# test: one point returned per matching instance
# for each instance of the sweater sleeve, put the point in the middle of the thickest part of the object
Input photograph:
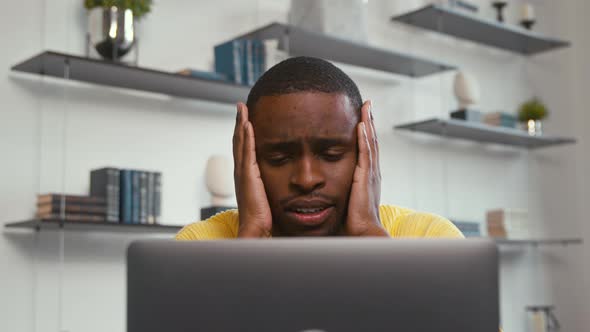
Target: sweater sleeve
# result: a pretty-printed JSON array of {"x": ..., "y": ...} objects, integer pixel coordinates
[
  {"x": 223, "y": 225},
  {"x": 400, "y": 222}
]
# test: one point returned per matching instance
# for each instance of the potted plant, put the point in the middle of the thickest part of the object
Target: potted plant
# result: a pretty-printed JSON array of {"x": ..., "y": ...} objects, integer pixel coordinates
[
  {"x": 111, "y": 25},
  {"x": 531, "y": 113},
  {"x": 139, "y": 8}
]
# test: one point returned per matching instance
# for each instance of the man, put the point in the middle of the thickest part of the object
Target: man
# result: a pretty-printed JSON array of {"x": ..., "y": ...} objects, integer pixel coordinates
[{"x": 306, "y": 163}]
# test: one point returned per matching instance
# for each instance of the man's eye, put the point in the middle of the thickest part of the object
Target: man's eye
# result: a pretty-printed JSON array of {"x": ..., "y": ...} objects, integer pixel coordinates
[
  {"x": 332, "y": 156},
  {"x": 277, "y": 160}
]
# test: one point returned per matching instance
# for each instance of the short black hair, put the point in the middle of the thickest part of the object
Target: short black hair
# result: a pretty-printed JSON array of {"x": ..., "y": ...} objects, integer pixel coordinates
[{"x": 304, "y": 74}]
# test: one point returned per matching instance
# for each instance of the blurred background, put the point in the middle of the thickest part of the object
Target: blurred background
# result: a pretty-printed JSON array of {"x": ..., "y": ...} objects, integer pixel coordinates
[{"x": 117, "y": 117}]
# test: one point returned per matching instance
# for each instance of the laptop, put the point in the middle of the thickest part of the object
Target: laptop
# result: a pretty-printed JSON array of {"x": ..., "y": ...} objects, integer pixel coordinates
[{"x": 313, "y": 285}]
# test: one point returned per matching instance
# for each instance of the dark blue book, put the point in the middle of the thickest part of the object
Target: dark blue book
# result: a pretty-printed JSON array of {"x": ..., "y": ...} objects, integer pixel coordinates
[
  {"x": 135, "y": 202},
  {"x": 104, "y": 182},
  {"x": 126, "y": 191},
  {"x": 468, "y": 228},
  {"x": 229, "y": 59}
]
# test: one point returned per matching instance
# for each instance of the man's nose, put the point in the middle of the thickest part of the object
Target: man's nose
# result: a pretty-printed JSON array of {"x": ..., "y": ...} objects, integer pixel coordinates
[{"x": 307, "y": 175}]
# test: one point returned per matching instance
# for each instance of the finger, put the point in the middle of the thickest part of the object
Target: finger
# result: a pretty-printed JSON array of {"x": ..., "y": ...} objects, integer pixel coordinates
[
  {"x": 238, "y": 137},
  {"x": 249, "y": 147},
  {"x": 244, "y": 113},
  {"x": 364, "y": 159},
  {"x": 375, "y": 142},
  {"x": 364, "y": 113},
  {"x": 366, "y": 119}
]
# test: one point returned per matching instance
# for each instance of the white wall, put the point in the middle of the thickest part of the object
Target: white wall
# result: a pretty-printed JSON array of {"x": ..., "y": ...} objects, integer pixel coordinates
[{"x": 54, "y": 133}]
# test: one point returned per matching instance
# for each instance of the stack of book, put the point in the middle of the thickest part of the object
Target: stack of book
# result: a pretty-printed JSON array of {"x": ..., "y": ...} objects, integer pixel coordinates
[
  {"x": 467, "y": 115},
  {"x": 71, "y": 208},
  {"x": 500, "y": 119},
  {"x": 497, "y": 119},
  {"x": 508, "y": 223},
  {"x": 243, "y": 61},
  {"x": 468, "y": 228},
  {"x": 132, "y": 196}
]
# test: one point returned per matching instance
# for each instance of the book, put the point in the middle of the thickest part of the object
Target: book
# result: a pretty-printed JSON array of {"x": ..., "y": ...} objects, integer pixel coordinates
[
  {"x": 249, "y": 62},
  {"x": 467, "y": 115},
  {"x": 468, "y": 228},
  {"x": 511, "y": 223},
  {"x": 157, "y": 197},
  {"x": 143, "y": 197},
  {"x": 206, "y": 75},
  {"x": 135, "y": 200},
  {"x": 500, "y": 119},
  {"x": 150, "y": 198},
  {"x": 72, "y": 217},
  {"x": 104, "y": 182},
  {"x": 126, "y": 197},
  {"x": 229, "y": 58},
  {"x": 54, "y": 198},
  {"x": 462, "y": 4},
  {"x": 45, "y": 209}
]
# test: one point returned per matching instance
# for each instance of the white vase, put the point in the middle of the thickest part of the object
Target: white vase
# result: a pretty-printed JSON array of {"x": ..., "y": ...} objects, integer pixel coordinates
[
  {"x": 466, "y": 89},
  {"x": 219, "y": 179}
]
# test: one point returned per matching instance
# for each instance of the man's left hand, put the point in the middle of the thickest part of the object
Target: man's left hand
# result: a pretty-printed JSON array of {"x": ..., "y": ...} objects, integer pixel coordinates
[{"x": 365, "y": 194}]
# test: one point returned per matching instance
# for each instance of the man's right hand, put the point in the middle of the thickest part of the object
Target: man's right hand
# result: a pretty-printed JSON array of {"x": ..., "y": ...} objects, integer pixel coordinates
[{"x": 254, "y": 212}]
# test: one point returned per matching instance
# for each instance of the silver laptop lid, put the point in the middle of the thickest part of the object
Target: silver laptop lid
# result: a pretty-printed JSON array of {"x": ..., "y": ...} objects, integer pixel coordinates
[{"x": 331, "y": 285}]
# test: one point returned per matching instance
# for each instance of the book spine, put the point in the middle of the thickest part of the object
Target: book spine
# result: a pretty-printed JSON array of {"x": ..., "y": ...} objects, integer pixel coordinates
[
  {"x": 72, "y": 208},
  {"x": 126, "y": 198},
  {"x": 238, "y": 60},
  {"x": 104, "y": 182},
  {"x": 143, "y": 198},
  {"x": 115, "y": 194},
  {"x": 73, "y": 217},
  {"x": 157, "y": 197},
  {"x": 135, "y": 195},
  {"x": 70, "y": 199},
  {"x": 228, "y": 61},
  {"x": 249, "y": 62},
  {"x": 150, "y": 198}
]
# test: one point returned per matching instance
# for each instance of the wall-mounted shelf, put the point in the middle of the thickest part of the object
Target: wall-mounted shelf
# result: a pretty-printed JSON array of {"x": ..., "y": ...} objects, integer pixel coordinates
[
  {"x": 300, "y": 42},
  {"x": 85, "y": 226},
  {"x": 483, "y": 133},
  {"x": 113, "y": 74},
  {"x": 540, "y": 242},
  {"x": 479, "y": 30}
]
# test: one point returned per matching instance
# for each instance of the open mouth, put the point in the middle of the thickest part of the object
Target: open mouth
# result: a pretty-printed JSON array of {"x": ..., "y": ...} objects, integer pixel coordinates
[{"x": 310, "y": 216}]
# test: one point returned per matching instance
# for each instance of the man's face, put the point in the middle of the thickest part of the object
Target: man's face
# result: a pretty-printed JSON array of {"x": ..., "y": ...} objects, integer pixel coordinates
[{"x": 306, "y": 148}]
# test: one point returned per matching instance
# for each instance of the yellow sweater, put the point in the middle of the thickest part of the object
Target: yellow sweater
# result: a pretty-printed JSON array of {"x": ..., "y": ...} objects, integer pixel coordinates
[{"x": 397, "y": 221}]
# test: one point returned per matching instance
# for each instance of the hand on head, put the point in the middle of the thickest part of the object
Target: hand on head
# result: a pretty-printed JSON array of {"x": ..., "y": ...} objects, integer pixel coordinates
[
  {"x": 365, "y": 194},
  {"x": 254, "y": 211}
]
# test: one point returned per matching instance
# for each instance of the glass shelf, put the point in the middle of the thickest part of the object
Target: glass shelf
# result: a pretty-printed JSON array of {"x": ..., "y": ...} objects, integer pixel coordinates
[
  {"x": 300, "y": 42},
  {"x": 118, "y": 75},
  {"x": 539, "y": 242},
  {"x": 38, "y": 224},
  {"x": 73, "y": 225},
  {"x": 483, "y": 31},
  {"x": 483, "y": 133}
]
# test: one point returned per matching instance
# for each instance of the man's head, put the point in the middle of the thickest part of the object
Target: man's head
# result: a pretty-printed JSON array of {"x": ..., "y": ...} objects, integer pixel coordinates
[{"x": 304, "y": 112}]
